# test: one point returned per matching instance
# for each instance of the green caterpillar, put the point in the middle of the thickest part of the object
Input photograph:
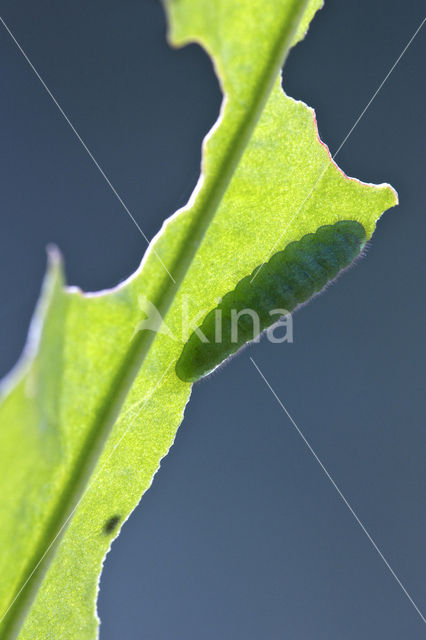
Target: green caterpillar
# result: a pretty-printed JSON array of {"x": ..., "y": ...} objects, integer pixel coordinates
[{"x": 289, "y": 278}]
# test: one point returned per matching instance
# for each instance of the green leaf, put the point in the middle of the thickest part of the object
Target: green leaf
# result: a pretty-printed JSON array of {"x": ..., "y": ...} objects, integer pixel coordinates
[{"x": 94, "y": 403}]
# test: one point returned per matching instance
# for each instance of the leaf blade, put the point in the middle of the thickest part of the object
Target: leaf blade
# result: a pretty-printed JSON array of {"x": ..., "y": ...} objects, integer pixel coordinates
[{"x": 251, "y": 186}]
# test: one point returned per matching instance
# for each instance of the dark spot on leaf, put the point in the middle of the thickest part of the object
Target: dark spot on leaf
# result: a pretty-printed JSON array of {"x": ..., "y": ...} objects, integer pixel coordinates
[{"x": 111, "y": 524}]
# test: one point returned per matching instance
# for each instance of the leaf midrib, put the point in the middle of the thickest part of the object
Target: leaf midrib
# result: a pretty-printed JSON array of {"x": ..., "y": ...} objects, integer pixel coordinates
[{"x": 110, "y": 408}]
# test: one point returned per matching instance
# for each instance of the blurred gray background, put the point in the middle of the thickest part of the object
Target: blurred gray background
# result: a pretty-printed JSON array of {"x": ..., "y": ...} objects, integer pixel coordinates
[{"x": 241, "y": 536}]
